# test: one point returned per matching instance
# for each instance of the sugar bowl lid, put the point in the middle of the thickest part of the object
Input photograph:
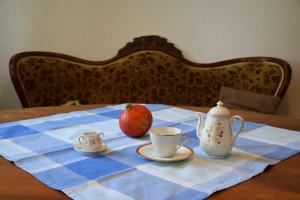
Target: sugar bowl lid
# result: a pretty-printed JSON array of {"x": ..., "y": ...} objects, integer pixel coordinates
[{"x": 219, "y": 110}]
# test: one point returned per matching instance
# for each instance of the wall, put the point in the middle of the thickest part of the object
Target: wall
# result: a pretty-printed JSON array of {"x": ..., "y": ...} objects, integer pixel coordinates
[{"x": 205, "y": 30}]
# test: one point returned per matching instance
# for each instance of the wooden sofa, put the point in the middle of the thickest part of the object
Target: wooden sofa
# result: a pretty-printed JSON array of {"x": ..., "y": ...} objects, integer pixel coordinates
[{"x": 147, "y": 70}]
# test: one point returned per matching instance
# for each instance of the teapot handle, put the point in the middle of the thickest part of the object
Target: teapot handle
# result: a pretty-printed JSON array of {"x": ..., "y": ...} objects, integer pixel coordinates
[
  {"x": 240, "y": 128},
  {"x": 200, "y": 124}
]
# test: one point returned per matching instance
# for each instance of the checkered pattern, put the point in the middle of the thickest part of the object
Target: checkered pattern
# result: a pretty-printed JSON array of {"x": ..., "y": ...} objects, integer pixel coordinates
[{"x": 44, "y": 148}]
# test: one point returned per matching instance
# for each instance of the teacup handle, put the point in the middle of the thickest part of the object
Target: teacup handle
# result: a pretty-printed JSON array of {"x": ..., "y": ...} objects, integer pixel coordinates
[{"x": 183, "y": 139}]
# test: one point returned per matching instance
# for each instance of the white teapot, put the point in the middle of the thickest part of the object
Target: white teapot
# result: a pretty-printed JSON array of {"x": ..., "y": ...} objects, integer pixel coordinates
[{"x": 216, "y": 138}]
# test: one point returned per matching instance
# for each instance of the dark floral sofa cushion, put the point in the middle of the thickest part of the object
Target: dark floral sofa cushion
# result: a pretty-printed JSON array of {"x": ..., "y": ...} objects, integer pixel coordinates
[
  {"x": 143, "y": 76},
  {"x": 245, "y": 100}
]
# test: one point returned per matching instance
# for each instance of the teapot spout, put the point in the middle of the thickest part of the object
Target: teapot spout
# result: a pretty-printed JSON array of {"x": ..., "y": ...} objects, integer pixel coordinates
[{"x": 200, "y": 124}]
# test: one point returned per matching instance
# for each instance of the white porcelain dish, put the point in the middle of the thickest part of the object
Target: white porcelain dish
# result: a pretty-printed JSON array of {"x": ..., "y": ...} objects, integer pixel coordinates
[
  {"x": 79, "y": 148},
  {"x": 146, "y": 151}
]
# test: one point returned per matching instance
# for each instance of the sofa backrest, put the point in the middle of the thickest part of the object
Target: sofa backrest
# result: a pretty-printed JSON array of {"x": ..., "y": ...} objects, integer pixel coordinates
[{"x": 147, "y": 70}]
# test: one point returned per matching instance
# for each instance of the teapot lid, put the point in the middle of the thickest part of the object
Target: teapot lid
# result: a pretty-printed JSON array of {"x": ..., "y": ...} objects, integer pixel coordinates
[{"x": 219, "y": 110}]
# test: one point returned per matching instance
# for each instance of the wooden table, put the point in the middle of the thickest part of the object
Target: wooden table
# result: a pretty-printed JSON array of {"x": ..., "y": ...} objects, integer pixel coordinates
[{"x": 281, "y": 181}]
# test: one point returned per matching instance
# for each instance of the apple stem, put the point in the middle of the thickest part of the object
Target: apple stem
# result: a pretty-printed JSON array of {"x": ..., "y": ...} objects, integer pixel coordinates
[{"x": 128, "y": 106}]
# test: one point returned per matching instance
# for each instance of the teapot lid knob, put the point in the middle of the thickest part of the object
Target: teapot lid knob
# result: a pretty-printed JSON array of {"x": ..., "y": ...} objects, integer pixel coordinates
[
  {"x": 219, "y": 110},
  {"x": 220, "y": 103}
]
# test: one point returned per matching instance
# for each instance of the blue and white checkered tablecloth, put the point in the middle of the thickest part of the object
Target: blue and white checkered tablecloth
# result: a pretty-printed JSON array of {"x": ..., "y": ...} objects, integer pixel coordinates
[{"x": 44, "y": 148}]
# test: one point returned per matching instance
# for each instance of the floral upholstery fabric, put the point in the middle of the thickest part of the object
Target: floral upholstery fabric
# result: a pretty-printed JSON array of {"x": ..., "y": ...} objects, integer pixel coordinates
[{"x": 141, "y": 77}]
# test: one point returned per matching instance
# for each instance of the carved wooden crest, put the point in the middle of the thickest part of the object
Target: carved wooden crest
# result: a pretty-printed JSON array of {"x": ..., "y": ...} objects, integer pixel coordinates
[{"x": 151, "y": 42}]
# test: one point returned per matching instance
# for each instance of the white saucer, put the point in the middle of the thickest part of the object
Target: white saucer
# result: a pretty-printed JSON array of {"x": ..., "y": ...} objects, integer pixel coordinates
[
  {"x": 147, "y": 151},
  {"x": 78, "y": 147}
]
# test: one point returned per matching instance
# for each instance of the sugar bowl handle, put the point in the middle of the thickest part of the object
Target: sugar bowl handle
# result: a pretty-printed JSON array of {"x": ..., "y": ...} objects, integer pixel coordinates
[{"x": 82, "y": 139}]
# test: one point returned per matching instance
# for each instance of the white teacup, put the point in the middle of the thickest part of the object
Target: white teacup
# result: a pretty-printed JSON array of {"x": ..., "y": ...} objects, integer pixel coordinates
[
  {"x": 166, "y": 140},
  {"x": 91, "y": 141}
]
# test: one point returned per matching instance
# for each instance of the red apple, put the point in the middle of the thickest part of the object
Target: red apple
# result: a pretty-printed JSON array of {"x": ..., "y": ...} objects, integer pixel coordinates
[{"x": 135, "y": 120}]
